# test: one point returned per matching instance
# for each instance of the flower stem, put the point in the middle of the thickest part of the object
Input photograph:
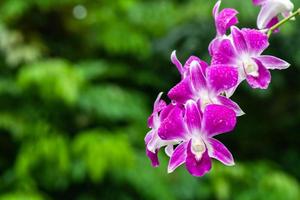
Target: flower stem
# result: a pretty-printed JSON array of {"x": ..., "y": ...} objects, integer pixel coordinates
[{"x": 273, "y": 28}]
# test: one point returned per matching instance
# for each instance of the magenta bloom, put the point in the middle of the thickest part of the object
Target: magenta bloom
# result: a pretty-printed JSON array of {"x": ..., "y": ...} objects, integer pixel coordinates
[
  {"x": 224, "y": 19},
  {"x": 196, "y": 130},
  {"x": 243, "y": 50},
  {"x": 204, "y": 84},
  {"x": 153, "y": 142},
  {"x": 270, "y": 9},
  {"x": 201, "y": 107}
]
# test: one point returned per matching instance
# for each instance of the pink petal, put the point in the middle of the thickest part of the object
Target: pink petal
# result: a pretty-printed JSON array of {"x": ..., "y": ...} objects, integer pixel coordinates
[
  {"x": 166, "y": 111},
  {"x": 267, "y": 13},
  {"x": 150, "y": 121},
  {"x": 271, "y": 62},
  {"x": 214, "y": 45},
  {"x": 271, "y": 23},
  {"x": 169, "y": 150},
  {"x": 264, "y": 78},
  {"x": 223, "y": 52},
  {"x": 220, "y": 152},
  {"x": 178, "y": 157},
  {"x": 256, "y": 41},
  {"x": 238, "y": 40},
  {"x": 230, "y": 92},
  {"x": 153, "y": 158},
  {"x": 218, "y": 119},
  {"x": 225, "y": 19},
  {"x": 149, "y": 137},
  {"x": 231, "y": 104},
  {"x": 216, "y": 9},
  {"x": 192, "y": 116},
  {"x": 198, "y": 80},
  {"x": 222, "y": 77},
  {"x": 258, "y": 2},
  {"x": 192, "y": 61},
  {"x": 176, "y": 62},
  {"x": 197, "y": 167},
  {"x": 159, "y": 104},
  {"x": 155, "y": 143},
  {"x": 172, "y": 127},
  {"x": 181, "y": 92}
]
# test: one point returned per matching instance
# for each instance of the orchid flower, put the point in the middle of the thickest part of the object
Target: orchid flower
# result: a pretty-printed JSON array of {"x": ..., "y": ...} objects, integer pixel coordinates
[
  {"x": 224, "y": 19},
  {"x": 243, "y": 50},
  {"x": 205, "y": 84},
  {"x": 196, "y": 130},
  {"x": 201, "y": 108},
  {"x": 270, "y": 9},
  {"x": 153, "y": 142}
]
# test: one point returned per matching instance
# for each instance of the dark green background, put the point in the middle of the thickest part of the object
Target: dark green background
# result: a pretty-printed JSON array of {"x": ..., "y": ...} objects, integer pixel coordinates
[{"x": 75, "y": 95}]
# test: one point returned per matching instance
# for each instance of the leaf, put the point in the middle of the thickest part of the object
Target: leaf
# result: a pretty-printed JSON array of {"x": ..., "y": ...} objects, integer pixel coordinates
[
  {"x": 98, "y": 152},
  {"x": 52, "y": 79},
  {"x": 113, "y": 103}
]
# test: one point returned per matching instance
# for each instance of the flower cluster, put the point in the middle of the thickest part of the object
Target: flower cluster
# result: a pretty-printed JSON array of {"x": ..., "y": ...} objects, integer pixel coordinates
[{"x": 200, "y": 106}]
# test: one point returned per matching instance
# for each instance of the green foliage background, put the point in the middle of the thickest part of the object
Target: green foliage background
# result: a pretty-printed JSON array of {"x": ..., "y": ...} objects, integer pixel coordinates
[{"x": 76, "y": 90}]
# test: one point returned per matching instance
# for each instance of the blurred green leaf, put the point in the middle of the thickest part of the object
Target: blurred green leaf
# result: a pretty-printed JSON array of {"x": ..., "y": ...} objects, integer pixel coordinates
[{"x": 53, "y": 80}]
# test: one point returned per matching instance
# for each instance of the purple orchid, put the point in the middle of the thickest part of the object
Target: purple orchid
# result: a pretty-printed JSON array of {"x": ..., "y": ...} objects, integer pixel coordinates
[
  {"x": 224, "y": 19},
  {"x": 153, "y": 142},
  {"x": 196, "y": 130},
  {"x": 204, "y": 84},
  {"x": 243, "y": 50},
  {"x": 270, "y": 9}
]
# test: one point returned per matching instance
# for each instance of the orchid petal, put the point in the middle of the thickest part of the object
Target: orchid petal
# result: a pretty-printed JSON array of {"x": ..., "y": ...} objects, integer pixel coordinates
[
  {"x": 258, "y": 2},
  {"x": 149, "y": 136},
  {"x": 198, "y": 80},
  {"x": 264, "y": 77},
  {"x": 155, "y": 143},
  {"x": 172, "y": 127},
  {"x": 271, "y": 9},
  {"x": 178, "y": 157},
  {"x": 216, "y": 9},
  {"x": 214, "y": 45},
  {"x": 238, "y": 39},
  {"x": 223, "y": 52},
  {"x": 287, "y": 14},
  {"x": 176, "y": 62},
  {"x": 231, "y": 104},
  {"x": 153, "y": 158},
  {"x": 230, "y": 92},
  {"x": 169, "y": 150},
  {"x": 222, "y": 77},
  {"x": 197, "y": 167},
  {"x": 271, "y": 62},
  {"x": 218, "y": 151},
  {"x": 192, "y": 61},
  {"x": 256, "y": 41},
  {"x": 159, "y": 104},
  {"x": 192, "y": 116},
  {"x": 273, "y": 21},
  {"x": 225, "y": 19},
  {"x": 267, "y": 13},
  {"x": 166, "y": 111},
  {"x": 181, "y": 92},
  {"x": 218, "y": 119},
  {"x": 150, "y": 121}
]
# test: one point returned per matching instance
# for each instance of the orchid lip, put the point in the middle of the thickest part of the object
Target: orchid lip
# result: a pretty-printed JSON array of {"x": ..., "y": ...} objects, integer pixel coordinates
[
  {"x": 198, "y": 147},
  {"x": 249, "y": 67},
  {"x": 205, "y": 99}
]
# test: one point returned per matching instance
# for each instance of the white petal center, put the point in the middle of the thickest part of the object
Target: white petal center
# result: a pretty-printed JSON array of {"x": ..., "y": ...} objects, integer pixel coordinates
[
  {"x": 198, "y": 147},
  {"x": 250, "y": 67}
]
